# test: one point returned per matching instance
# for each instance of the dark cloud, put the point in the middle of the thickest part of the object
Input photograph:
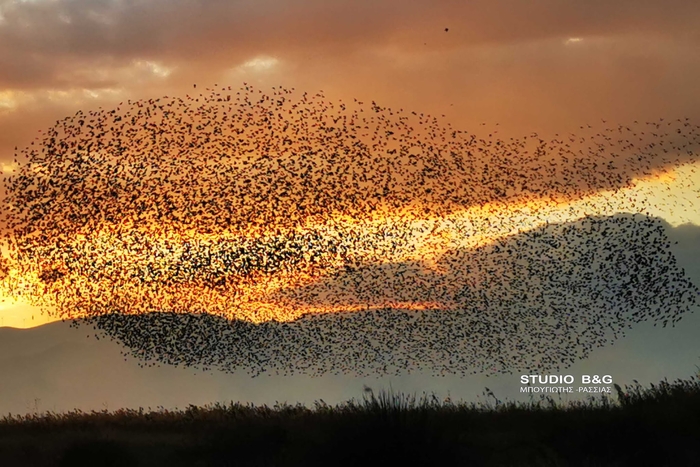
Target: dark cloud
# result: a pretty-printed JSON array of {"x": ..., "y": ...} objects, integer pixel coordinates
[
  {"x": 222, "y": 31},
  {"x": 501, "y": 61}
]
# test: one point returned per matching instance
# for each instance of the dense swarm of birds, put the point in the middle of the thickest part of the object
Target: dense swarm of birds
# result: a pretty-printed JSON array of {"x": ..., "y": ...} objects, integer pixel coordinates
[{"x": 262, "y": 233}]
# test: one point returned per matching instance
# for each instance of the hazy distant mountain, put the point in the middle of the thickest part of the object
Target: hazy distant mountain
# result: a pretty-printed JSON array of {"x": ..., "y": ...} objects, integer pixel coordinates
[
  {"x": 65, "y": 369},
  {"x": 56, "y": 367},
  {"x": 539, "y": 300}
]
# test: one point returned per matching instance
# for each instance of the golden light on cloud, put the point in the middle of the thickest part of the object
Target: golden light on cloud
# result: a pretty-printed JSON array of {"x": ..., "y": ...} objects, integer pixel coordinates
[
  {"x": 261, "y": 63},
  {"x": 11, "y": 101},
  {"x": 8, "y": 167},
  {"x": 154, "y": 68},
  {"x": 254, "y": 67},
  {"x": 7, "y": 100}
]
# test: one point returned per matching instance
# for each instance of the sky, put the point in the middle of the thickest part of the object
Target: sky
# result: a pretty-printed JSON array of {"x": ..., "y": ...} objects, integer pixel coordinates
[{"x": 501, "y": 68}]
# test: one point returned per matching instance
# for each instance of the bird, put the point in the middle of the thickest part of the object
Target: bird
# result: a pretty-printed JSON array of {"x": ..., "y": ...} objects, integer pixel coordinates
[{"x": 273, "y": 233}]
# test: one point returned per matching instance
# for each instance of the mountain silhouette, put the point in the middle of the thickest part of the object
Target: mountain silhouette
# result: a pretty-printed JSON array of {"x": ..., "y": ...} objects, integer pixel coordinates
[{"x": 540, "y": 300}]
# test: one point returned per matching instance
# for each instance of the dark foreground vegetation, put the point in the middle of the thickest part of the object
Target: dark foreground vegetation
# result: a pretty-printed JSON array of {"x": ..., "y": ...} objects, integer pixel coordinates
[{"x": 654, "y": 426}]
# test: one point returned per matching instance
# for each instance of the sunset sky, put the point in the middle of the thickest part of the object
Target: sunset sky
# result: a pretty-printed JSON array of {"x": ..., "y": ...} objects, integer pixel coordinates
[{"x": 498, "y": 67}]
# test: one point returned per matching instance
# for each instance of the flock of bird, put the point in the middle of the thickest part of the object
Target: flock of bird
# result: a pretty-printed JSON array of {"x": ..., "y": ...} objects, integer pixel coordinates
[{"x": 263, "y": 233}]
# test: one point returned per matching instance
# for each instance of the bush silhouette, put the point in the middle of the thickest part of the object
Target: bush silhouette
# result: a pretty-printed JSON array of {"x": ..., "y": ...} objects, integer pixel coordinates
[{"x": 97, "y": 453}]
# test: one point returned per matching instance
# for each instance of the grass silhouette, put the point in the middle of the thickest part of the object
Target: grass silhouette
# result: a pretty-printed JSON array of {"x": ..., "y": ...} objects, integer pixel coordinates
[{"x": 657, "y": 425}]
